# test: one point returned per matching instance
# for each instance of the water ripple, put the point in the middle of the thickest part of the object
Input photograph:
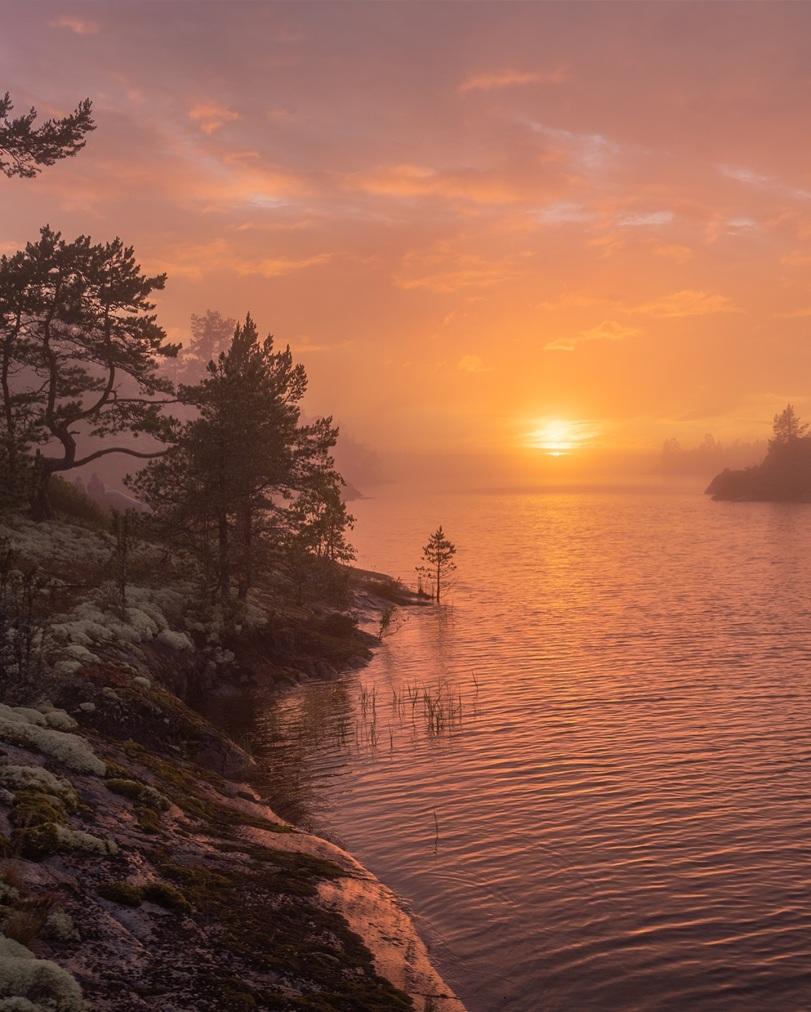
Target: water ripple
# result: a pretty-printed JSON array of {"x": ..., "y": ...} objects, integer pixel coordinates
[{"x": 614, "y": 813}]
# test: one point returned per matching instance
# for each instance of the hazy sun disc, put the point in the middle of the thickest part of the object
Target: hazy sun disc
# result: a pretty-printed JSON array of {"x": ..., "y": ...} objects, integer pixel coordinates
[{"x": 557, "y": 437}]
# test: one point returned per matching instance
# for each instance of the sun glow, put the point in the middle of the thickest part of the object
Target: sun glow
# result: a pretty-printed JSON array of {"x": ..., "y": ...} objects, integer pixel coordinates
[{"x": 557, "y": 436}]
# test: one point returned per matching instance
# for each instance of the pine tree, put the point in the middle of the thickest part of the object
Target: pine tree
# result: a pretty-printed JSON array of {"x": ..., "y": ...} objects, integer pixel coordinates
[
  {"x": 211, "y": 334},
  {"x": 25, "y": 148},
  {"x": 438, "y": 565},
  {"x": 81, "y": 343},
  {"x": 227, "y": 484},
  {"x": 20, "y": 424},
  {"x": 318, "y": 519},
  {"x": 787, "y": 427}
]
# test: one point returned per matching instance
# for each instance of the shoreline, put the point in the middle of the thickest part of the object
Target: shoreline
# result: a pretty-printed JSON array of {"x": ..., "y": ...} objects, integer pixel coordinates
[{"x": 130, "y": 831}]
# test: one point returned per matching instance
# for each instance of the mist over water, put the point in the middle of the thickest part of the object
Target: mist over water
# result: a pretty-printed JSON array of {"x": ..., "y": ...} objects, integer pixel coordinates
[{"x": 613, "y": 811}]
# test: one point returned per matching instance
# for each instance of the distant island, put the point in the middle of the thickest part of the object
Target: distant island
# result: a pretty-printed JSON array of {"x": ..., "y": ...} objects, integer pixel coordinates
[{"x": 784, "y": 475}]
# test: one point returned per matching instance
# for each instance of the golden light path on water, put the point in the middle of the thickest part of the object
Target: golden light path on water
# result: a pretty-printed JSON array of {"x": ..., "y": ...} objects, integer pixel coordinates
[{"x": 617, "y": 749}]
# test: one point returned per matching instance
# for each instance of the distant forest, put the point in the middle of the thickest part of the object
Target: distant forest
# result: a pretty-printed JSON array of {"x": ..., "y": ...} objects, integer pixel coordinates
[{"x": 708, "y": 456}]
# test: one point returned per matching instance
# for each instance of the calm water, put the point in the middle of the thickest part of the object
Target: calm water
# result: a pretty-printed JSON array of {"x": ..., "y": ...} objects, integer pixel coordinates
[{"x": 605, "y": 802}]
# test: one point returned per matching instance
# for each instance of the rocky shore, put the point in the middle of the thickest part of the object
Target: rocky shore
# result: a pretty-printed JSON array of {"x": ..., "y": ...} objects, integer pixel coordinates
[{"x": 142, "y": 866}]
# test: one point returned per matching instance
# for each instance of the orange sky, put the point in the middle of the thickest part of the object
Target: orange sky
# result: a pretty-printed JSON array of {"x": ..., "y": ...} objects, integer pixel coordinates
[{"x": 463, "y": 217}]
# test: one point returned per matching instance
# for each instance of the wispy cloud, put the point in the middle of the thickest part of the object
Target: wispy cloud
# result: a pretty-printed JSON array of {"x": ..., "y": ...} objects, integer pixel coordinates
[
  {"x": 676, "y": 252},
  {"x": 677, "y": 305},
  {"x": 592, "y": 151},
  {"x": 274, "y": 267},
  {"x": 495, "y": 80},
  {"x": 79, "y": 26},
  {"x": 310, "y": 346},
  {"x": 564, "y": 212},
  {"x": 444, "y": 270},
  {"x": 211, "y": 116},
  {"x": 607, "y": 330},
  {"x": 642, "y": 219},
  {"x": 688, "y": 302},
  {"x": 471, "y": 363},
  {"x": 577, "y": 300},
  {"x": 742, "y": 223},
  {"x": 758, "y": 180},
  {"x": 479, "y": 185},
  {"x": 196, "y": 260}
]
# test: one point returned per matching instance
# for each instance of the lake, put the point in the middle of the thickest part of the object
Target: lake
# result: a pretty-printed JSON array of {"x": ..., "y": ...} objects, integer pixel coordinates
[{"x": 588, "y": 775}]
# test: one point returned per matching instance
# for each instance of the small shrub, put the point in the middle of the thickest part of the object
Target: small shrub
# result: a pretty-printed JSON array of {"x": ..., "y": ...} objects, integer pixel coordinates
[
  {"x": 165, "y": 895},
  {"x": 31, "y": 808},
  {"x": 23, "y": 629},
  {"x": 125, "y": 894},
  {"x": 148, "y": 819},
  {"x": 35, "y": 843},
  {"x": 59, "y": 926},
  {"x": 142, "y": 793},
  {"x": 69, "y": 500},
  {"x": 386, "y": 616},
  {"x": 25, "y": 926}
]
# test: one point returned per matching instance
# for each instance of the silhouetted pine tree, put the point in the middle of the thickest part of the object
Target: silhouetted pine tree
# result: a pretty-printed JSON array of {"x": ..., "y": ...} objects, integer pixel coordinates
[
  {"x": 80, "y": 348},
  {"x": 438, "y": 564},
  {"x": 227, "y": 486},
  {"x": 787, "y": 427},
  {"x": 26, "y": 148}
]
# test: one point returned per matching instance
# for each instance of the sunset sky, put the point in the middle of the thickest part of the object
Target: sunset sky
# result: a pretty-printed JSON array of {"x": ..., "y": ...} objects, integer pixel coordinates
[{"x": 467, "y": 220}]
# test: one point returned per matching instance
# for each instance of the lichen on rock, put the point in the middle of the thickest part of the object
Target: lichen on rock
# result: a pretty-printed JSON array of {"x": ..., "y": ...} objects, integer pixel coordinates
[
  {"x": 70, "y": 750},
  {"x": 43, "y": 983}
]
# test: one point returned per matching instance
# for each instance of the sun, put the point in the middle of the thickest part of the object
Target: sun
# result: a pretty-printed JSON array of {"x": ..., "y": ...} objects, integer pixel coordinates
[{"x": 556, "y": 436}]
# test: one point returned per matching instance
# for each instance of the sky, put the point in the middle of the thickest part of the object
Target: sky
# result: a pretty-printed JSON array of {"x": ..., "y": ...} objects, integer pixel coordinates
[{"x": 471, "y": 222}]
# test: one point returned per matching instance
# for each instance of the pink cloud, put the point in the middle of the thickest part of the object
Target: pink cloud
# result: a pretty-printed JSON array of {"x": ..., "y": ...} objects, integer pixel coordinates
[
  {"x": 444, "y": 270},
  {"x": 512, "y": 78},
  {"x": 196, "y": 260},
  {"x": 76, "y": 25},
  {"x": 211, "y": 116},
  {"x": 274, "y": 267},
  {"x": 674, "y": 251},
  {"x": 478, "y": 185}
]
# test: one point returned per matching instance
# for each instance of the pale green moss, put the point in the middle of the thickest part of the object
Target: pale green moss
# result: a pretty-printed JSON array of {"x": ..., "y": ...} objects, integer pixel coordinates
[
  {"x": 68, "y": 749},
  {"x": 142, "y": 793},
  {"x": 48, "y": 987},
  {"x": 35, "y": 778}
]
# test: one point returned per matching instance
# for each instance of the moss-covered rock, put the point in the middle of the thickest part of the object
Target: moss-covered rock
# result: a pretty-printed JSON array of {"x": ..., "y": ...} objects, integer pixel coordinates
[
  {"x": 37, "y": 842},
  {"x": 15, "y": 777},
  {"x": 41, "y": 983}
]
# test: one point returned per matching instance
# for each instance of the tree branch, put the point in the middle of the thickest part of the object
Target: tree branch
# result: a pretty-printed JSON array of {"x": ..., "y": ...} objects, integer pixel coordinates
[{"x": 120, "y": 449}]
